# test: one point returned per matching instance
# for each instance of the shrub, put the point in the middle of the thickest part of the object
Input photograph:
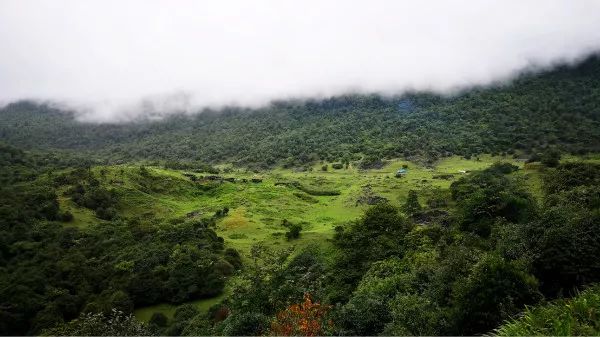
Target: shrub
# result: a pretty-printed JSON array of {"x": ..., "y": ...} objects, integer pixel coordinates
[
  {"x": 106, "y": 213},
  {"x": 114, "y": 324},
  {"x": 158, "y": 319},
  {"x": 551, "y": 158},
  {"x": 566, "y": 317},
  {"x": 66, "y": 216},
  {"x": 305, "y": 319},
  {"x": 245, "y": 324},
  {"x": 495, "y": 290},
  {"x": 412, "y": 206},
  {"x": 293, "y": 232}
]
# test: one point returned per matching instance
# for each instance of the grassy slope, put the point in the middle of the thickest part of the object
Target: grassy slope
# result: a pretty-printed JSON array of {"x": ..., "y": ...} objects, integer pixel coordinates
[
  {"x": 257, "y": 209},
  {"x": 144, "y": 314}
]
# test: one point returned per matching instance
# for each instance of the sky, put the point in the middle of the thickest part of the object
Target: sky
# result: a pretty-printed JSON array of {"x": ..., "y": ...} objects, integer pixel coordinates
[{"x": 119, "y": 60}]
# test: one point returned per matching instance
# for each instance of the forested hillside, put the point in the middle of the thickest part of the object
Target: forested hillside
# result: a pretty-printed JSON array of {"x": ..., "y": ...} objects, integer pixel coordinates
[
  {"x": 354, "y": 215},
  {"x": 556, "y": 109},
  {"x": 293, "y": 168},
  {"x": 350, "y": 251},
  {"x": 51, "y": 270}
]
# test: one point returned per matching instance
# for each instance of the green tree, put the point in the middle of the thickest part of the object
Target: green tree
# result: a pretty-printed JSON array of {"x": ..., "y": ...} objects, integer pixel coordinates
[
  {"x": 293, "y": 231},
  {"x": 551, "y": 158},
  {"x": 158, "y": 319},
  {"x": 412, "y": 206},
  {"x": 114, "y": 324},
  {"x": 494, "y": 291}
]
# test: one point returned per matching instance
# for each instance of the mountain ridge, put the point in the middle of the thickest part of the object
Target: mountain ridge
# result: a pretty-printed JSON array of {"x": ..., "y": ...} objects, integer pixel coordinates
[{"x": 554, "y": 109}]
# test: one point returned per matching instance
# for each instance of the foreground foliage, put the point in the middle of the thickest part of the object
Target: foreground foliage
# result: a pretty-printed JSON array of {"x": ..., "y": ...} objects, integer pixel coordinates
[
  {"x": 304, "y": 319},
  {"x": 577, "y": 316},
  {"x": 100, "y": 324}
]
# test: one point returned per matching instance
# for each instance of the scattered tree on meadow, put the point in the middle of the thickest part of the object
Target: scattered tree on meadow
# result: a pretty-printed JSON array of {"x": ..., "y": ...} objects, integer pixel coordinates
[
  {"x": 293, "y": 231},
  {"x": 412, "y": 206}
]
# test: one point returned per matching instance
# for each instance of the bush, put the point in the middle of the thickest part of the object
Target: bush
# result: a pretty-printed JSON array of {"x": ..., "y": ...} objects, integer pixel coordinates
[
  {"x": 114, "y": 324},
  {"x": 233, "y": 257},
  {"x": 551, "y": 158},
  {"x": 66, "y": 216},
  {"x": 412, "y": 206},
  {"x": 246, "y": 324},
  {"x": 159, "y": 319},
  {"x": 502, "y": 168},
  {"x": 495, "y": 290},
  {"x": 293, "y": 231},
  {"x": 185, "y": 312},
  {"x": 566, "y": 317},
  {"x": 106, "y": 213},
  {"x": 371, "y": 162}
]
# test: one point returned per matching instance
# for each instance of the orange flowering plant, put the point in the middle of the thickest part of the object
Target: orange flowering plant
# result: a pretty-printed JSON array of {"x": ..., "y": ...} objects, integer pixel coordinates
[{"x": 304, "y": 319}]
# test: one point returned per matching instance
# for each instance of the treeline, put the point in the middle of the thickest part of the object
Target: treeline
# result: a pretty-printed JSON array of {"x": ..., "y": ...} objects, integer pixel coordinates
[
  {"x": 52, "y": 272},
  {"x": 556, "y": 110}
]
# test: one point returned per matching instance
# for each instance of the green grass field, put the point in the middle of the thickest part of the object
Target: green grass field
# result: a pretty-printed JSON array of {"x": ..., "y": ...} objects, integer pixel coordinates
[
  {"x": 144, "y": 314},
  {"x": 257, "y": 209}
]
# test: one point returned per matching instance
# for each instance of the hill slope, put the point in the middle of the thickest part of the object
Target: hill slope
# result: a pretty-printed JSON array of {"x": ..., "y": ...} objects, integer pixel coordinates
[{"x": 554, "y": 109}]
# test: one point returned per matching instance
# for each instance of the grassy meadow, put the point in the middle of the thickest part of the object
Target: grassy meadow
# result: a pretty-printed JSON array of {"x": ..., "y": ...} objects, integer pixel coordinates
[{"x": 259, "y": 202}]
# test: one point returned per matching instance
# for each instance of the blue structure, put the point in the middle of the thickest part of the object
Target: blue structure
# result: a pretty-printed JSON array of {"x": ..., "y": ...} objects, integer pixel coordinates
[{"x": 401, "y": 172}]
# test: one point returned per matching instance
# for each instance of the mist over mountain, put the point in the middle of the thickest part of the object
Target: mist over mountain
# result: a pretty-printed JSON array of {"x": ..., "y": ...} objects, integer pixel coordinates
[
  {"x": 114, "y": 61},
  {"x": 555, "y": 109}
]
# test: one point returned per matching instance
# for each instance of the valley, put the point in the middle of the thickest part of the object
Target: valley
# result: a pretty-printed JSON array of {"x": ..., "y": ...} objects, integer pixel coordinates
[
  {"x": 257, "y": 209},
  {"x": 320, "y": 168},
  {"x": 409, "y": 215}
]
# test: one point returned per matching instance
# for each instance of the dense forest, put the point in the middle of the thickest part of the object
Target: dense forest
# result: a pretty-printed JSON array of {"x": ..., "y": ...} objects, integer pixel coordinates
[
  {"x": 99, "y": 220},
  {"x": 52, "y": 273},
  {"x": 555, "y": 109},
  {"x": 486, "y": 250}
]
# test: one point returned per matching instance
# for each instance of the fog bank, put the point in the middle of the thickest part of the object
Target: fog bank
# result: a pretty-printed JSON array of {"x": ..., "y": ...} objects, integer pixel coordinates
[{"x": 117, "y": 60}]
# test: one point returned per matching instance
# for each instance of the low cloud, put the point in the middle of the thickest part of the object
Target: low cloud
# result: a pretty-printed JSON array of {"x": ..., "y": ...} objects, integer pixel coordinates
[{"x": 119, "y": 60}]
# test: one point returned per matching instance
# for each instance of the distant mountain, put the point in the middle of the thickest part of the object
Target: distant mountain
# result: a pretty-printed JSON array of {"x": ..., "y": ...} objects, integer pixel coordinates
[{"x": 556, "y": 109}]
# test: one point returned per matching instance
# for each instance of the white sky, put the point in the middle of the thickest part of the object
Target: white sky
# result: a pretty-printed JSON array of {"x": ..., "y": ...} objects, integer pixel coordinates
[{"x": 105, "y": 57}]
